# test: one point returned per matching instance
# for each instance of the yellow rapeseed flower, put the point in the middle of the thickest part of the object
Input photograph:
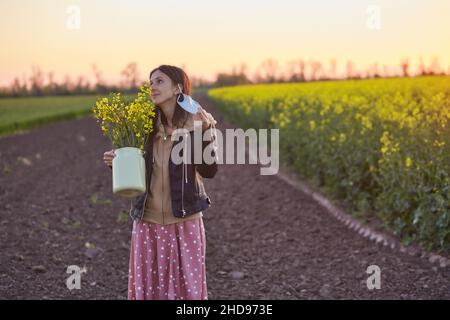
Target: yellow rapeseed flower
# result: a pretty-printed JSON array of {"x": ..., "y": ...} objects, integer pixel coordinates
[
  {"x": 408, "y": 162},
  {"x": 130, "y": 122}
]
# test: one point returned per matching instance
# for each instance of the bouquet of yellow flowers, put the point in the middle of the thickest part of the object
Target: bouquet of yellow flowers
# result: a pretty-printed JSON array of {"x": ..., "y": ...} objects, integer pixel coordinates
[{"x": 128, "y": 124}]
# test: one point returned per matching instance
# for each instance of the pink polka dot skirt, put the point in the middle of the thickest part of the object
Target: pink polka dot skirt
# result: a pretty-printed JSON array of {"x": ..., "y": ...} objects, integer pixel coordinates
[{"x": 167, "y": 262}]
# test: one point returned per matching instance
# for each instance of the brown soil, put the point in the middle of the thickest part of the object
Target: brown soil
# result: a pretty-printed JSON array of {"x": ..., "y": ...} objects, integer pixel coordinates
[{"x": 265, "y": 239}]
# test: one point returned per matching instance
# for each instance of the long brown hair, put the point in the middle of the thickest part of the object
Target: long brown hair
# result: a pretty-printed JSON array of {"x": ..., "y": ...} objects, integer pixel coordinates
[{"x": 178, "y": 76}]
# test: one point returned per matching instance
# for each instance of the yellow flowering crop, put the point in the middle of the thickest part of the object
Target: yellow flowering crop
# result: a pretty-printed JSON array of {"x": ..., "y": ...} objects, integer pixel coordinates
[
  {"x": 126, "y": 123},
  {"x": 382, "y": 145}
]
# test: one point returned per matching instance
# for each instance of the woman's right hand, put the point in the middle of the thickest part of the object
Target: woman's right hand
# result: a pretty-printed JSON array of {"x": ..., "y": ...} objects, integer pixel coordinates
[{"x": 108, "y": 156}]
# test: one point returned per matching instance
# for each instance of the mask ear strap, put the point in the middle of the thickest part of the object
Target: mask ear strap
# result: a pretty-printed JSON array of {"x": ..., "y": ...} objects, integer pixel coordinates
[
  {"x": 179, "y": 87},
  {"x": 180, "y": 95}
]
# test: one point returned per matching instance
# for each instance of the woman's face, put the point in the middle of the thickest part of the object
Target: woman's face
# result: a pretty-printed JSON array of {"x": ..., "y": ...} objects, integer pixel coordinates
[{"x": 162, "y": 88}]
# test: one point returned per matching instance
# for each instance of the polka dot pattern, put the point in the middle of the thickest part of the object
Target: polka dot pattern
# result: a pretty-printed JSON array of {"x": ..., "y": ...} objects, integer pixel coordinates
[{"x": 167, "y": 262}]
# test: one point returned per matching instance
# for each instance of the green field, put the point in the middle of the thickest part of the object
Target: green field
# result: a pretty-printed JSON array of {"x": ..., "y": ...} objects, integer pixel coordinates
[{"x": 24, "y": 113}]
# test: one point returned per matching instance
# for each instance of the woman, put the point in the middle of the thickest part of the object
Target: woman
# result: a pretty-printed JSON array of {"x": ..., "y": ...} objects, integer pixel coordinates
[{"x": 167, "y": 258}]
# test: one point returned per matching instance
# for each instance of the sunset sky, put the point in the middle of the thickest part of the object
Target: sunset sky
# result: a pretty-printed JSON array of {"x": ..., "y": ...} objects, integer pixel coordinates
[{"x": 208, "y": 36}]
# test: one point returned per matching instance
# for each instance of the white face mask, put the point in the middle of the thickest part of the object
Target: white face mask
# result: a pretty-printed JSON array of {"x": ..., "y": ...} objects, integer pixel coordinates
[{"x": 187, "y": 103}]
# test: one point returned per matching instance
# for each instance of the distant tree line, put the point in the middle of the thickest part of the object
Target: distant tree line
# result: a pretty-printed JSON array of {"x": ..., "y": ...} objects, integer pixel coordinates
[{"x": 270, "y": 71}]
